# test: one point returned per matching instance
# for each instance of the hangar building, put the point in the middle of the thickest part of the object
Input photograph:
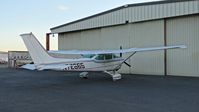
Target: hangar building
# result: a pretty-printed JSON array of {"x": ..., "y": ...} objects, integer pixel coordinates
[{"x": 160, "y": 23}]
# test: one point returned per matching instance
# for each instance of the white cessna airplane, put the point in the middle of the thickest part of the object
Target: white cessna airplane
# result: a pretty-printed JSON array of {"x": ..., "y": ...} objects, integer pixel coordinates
[{"x": 95, "y": 60}]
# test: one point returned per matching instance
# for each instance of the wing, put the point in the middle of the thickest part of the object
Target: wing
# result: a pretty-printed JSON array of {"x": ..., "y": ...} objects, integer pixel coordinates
[{"x": 117, "y": 51}]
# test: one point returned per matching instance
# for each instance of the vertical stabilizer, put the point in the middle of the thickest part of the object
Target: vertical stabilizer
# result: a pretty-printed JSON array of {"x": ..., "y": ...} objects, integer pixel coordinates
[{"x": 36, "y": 50}]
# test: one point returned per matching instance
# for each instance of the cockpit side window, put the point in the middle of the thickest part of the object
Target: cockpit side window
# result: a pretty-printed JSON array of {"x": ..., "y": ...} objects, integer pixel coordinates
[
  {"x": 100, "y": 57},
  {"x": 88, "y": 55},
  {"x": 106, "y": 56}
]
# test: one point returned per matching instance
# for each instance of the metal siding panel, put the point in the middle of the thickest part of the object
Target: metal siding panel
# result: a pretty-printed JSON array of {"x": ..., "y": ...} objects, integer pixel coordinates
[
  {"x": 124, "y": 15},
  {"x": 60, "y": 42},
  {"x": 93, "y": 23},
  {"x": 191, "y": 7},
  {"x": 135, "y": 14},
  {"x": 118, "y": 16},
  {"x": 183, "y": 31},
  {"x": 98, "y": 21},
  {"x": 65, "y": 28},
  {"x": 177, "y": 8},
  {"x": 150, "y": 12},
  {"x": 181, "y": 8},
  {"x": 153, "y": 11},
  {"x": 73, "y": 26},
  {"x": 147, "y": 14},
  {"x": 90, "y": 39},
  {"x": 90, "y": 24},
  {"x": 113, "y": 38},
  {"x": 127, "y": 14},
  {"x": 143, "y": 17},
  {"x": 194, "y": 7},
  {"x": 110, "y": 22},
  {"x": 130, "y": 13},
  {"x": 140, "y": 13},
  {"x": 70, "y": 27},
  {"x": 157, "y": 11},
  {"x": 169, "y": 11},
  {"x": 87, "y": 23},
  {"x": 121, "y": 16},
  {"x": 83, "y": 24},
  {"x": 161, "y": 11},
  {"x": 173, "y": 9},
  {"x": 113, "y": 18},
  {"x": 186, "y": 6},
  {"x": 105, "y": 20},
  {"x": 147, "y": 34},
  {"x": 165, "y": 10},
  {"x": 68, "y": 41}
]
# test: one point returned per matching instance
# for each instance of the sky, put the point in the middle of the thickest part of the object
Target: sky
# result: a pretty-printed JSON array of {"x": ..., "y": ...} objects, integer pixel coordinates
[{"x": 38, "y": 16}]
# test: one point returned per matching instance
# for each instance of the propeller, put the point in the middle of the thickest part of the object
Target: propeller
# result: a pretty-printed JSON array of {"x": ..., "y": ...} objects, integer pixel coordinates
[{"x": 127, "y": 64}]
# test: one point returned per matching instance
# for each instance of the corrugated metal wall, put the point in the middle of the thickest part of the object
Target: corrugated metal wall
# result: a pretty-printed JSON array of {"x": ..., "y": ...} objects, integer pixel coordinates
[
  {"x": 183, "y": 31},
  {"x": 102, "y": 38},
  {"x": 69, "y": 41},
  {"x": 145, "y": 34},
  {"x": 180, "y": 30},
  {"x": 133, "y": 14}
]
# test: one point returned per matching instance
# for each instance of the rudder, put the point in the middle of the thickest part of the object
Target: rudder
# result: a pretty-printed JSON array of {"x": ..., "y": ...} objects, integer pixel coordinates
[{"x": 36, "y": 50}]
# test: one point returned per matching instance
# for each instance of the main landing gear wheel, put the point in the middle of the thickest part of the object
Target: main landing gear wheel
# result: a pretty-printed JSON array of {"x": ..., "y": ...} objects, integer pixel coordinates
[{"x": 84, "y": 75}]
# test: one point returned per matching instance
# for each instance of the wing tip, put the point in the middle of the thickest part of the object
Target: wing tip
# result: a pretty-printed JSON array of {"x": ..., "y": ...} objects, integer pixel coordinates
[
  {"x": 26, "y": 34},
  {"x": 183, "y": 47}
]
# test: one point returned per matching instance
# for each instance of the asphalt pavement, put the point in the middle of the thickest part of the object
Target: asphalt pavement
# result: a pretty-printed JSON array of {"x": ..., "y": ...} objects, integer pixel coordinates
[{"x": 51, "y": 91}]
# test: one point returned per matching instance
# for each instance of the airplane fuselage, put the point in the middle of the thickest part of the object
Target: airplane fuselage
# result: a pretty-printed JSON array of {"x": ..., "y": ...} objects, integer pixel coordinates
[{"x": 82, "y": 65}]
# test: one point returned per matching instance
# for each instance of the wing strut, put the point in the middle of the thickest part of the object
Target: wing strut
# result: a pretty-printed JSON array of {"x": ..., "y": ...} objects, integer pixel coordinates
[{"x": 125, "y": 61}]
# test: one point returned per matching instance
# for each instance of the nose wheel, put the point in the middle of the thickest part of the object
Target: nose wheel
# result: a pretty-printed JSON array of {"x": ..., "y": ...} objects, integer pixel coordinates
[{"x": 116, "y": 76}]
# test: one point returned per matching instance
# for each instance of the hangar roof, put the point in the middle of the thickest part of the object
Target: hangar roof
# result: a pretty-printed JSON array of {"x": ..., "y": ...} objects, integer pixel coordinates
[{"x": 131, "y": 13}]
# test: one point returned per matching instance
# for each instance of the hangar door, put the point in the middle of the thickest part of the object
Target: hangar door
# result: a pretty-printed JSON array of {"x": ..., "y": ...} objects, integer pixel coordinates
[
  {"x": 147, "y": 34},
  {"x": 184, "y": 30}
]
